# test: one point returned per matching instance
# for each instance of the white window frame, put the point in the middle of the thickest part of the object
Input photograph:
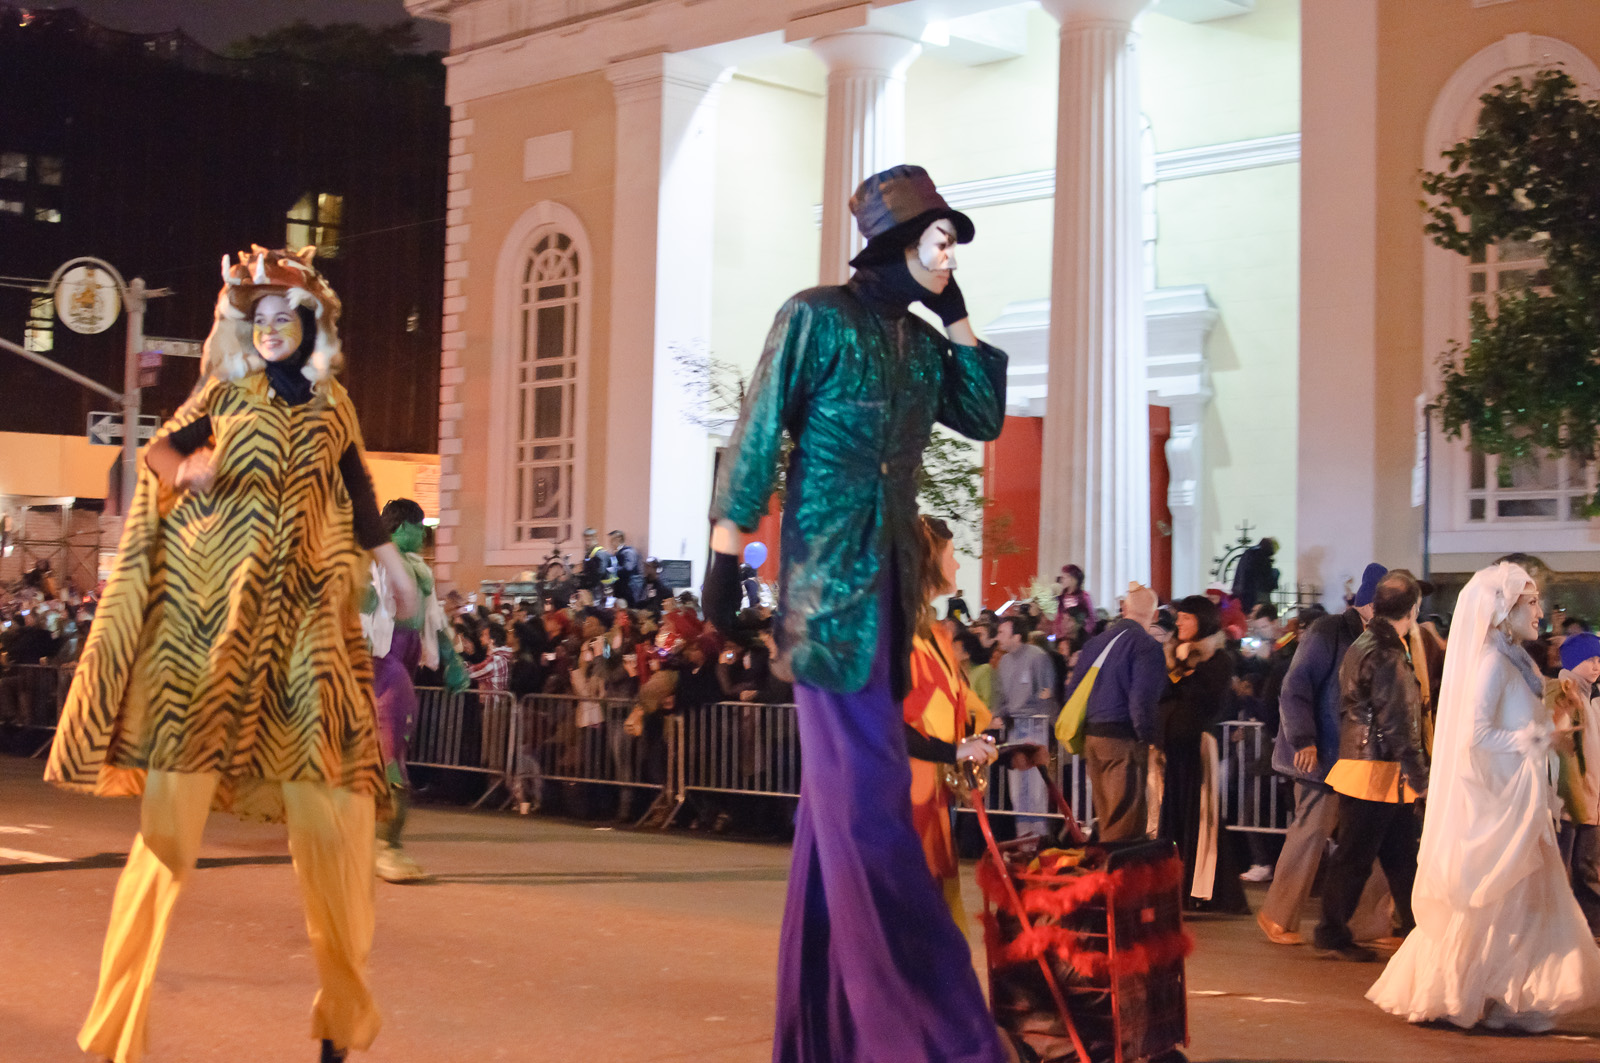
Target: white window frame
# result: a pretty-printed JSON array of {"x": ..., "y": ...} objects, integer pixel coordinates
[
  {"x": 1447, "y": 296},
  {"x": 500, "y": 544}
]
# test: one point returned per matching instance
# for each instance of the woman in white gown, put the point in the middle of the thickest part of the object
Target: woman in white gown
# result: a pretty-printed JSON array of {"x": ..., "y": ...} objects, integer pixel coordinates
[{"x": 1499, "y": 937}]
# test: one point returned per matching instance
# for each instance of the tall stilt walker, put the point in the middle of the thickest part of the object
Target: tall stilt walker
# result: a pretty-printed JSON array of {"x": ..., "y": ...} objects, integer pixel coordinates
[
  {"x": 227, "y": 668},
  {"x": 871, "y": 966}
]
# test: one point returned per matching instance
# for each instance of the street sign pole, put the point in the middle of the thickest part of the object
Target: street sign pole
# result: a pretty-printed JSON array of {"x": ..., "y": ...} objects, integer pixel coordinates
[
  {"x": 85, "y": 310},
  {"x": 134, "y": 297}
]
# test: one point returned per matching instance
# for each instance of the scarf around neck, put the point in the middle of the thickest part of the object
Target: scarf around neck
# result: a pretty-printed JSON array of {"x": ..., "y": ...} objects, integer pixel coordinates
[
  {"x": 1519, "y": 657},
  {"x": 888, "y": 287},
  {"x": 288, "y": 378}
]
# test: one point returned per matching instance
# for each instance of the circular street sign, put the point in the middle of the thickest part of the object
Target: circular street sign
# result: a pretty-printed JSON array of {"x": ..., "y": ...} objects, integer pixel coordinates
[{"x": 88, "y": 299}]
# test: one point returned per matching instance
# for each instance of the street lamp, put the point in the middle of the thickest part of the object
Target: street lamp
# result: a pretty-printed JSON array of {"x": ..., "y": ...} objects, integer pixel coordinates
[
  {"x": 78, "y": 275},
  {"x": 88, "y": 307}
]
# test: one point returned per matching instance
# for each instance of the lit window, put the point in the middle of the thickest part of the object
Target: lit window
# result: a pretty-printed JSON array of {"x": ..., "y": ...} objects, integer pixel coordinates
[
  {"x": 47, "y": 169},
  {"x": 546, "y": 391},
  {"x": 13, "y": 166},
  {"x": 11, "y": 206},
  {"x": 1540, "y": 486},
  {"x": 47, "y": 214},
  {"x": 1511, "y": 266},
  {"x": 316, "y": 219},
  {"x": 40, "y": 333}
]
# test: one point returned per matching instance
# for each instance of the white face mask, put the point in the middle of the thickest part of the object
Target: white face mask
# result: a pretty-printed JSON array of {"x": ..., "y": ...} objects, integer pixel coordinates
[{"x": 937, "y": 248}]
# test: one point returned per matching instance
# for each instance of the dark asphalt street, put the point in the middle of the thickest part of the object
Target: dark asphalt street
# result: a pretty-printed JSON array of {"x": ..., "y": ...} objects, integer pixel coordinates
[{"x": 555, "y": 941}]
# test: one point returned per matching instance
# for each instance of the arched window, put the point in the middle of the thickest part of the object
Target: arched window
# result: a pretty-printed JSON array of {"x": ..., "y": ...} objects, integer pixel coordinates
[
  {"x": 546, "y": 391},
  {"x": 1538, "y": 487},
  {"x": 536, "y": 427},
  {"x": 1478, "y": 498}
]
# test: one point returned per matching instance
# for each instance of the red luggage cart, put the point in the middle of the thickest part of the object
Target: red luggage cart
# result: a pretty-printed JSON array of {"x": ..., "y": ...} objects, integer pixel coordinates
[{"x": 1085, "y": 944}]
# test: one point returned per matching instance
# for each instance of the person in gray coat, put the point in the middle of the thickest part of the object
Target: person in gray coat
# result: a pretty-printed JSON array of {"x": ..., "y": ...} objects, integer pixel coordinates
[{"x": 1025, "y": 690}]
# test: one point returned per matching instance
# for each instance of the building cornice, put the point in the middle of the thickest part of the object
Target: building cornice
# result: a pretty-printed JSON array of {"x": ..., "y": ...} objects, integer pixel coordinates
[
  {"x": 1170, "y": 166},
  {"x": 502, "y": 45}
]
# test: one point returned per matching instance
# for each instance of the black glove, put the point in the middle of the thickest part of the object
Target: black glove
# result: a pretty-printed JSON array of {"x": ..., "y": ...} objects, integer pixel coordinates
[
  {"x": 721, "y": 592},
  {"x": 949, "y": 304}
]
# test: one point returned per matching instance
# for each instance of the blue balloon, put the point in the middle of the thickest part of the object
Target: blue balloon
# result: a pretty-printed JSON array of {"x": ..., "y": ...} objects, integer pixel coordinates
[{"x": 755, "y": 554}]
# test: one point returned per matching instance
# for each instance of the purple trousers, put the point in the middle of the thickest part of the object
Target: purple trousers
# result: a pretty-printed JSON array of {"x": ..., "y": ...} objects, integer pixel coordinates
[
  {"x": 871, "y": 967},
  {"x": 396, "y": 697}
]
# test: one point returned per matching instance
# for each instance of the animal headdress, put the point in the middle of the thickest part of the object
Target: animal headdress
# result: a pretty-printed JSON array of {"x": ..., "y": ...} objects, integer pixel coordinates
[{"x": 230, "y": 353}]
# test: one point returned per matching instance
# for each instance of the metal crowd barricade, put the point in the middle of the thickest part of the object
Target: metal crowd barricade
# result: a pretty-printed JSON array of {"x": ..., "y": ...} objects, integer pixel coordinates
[
  {"x": 1254, "y": 797},
  {"x": 739, "y": 747},
  {"x": 568, "y": 738},
  {"x": 31, "y": 697},
  {"x": 470, "y": 731},
  {"x": 745, "y": 748},
  {"x": 1067, "y": 769}
]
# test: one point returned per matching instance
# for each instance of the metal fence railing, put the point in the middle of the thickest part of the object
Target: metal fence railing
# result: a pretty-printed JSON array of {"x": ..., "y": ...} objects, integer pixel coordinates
[
  {"x": 742, "y": 748},
  {"x": 31, "y": 696},
  {"x": 1254, "y": 797},
  {"x": 471, "y": 731},
  {"x": 566, "y": 738},
  {"x": 722, "y": 748}
]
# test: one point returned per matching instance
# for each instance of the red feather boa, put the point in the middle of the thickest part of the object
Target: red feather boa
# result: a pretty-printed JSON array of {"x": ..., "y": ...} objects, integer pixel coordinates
[{"x": 1059, "y": 894}]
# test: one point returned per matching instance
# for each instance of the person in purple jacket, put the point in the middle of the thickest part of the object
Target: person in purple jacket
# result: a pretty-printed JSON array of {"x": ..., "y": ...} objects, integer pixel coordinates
[{"x": 1121, "y": 720}]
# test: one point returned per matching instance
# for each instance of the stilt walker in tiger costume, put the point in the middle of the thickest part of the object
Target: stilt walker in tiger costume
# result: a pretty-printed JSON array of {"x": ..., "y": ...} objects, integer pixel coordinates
[{"x": 227, "y": 668}]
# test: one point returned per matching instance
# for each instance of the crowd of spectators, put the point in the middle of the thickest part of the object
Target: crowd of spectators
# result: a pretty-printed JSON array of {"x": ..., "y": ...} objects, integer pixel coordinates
[{"x": 42, "y": 627}]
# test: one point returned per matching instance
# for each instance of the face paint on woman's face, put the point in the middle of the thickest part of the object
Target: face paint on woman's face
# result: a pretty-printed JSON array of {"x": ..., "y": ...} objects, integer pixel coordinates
[
  {"x": 937, "y": 248},
  {"x": 276, "y": 332},
  {"x": 934, "y": 258}
]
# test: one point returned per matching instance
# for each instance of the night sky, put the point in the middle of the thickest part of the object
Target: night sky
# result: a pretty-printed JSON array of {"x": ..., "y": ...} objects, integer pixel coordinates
[{"x": 217, "y": 23}]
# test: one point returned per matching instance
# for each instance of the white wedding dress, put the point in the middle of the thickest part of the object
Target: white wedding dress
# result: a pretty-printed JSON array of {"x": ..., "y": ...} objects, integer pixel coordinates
[{"x": 1499, "y": 937}]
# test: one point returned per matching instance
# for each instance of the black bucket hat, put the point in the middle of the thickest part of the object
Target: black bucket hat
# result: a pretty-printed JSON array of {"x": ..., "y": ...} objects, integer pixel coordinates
[{"x": 893, "y": 208}]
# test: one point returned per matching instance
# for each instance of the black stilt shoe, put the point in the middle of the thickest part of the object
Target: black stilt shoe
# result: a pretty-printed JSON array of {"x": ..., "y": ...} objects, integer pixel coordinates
[{"x": 331, "y": 1054}]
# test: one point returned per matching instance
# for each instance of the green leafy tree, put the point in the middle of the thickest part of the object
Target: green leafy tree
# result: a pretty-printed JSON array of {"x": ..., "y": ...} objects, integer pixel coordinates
[
  {"x": 344, "y": 46},
  {"x": 950, "y": 486},
  {"x": 1528, "y": 378}
]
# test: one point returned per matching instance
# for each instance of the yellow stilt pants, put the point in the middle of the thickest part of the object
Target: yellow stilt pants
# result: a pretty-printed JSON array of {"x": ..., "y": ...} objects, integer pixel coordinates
[{"x": 331, "y": 841}]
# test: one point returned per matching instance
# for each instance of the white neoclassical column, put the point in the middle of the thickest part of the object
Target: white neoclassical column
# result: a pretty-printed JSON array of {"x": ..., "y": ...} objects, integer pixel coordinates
[
  {"x": 866, "y": 130},
  {"x": 1095, "y": 470},
  {"x": 657, "y": 455}
]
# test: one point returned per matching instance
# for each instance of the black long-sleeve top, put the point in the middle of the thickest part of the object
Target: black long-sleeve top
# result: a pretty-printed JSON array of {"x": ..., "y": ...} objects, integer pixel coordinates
[{"x": 363, "y": 499}]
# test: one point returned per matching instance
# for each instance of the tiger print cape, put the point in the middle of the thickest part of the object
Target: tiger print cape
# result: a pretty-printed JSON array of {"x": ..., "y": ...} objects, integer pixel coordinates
[{"x": 229, "y": 637}]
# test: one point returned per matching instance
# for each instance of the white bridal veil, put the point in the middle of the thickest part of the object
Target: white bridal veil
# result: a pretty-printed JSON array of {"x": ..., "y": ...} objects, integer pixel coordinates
[{"x": 1478, "y": 839}]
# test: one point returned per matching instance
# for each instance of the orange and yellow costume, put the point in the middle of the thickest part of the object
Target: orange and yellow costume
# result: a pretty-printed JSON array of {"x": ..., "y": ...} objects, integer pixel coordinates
[{"x": 941, "y": 706}]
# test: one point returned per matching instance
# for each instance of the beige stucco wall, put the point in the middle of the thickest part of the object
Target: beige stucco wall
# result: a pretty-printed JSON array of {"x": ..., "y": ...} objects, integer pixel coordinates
[
  {"x": 770, "y": 120},
  {"x": 1422, "y": 42},
  {"x": 1238, "y": 234},
  {"x": 500, "y": 125}
]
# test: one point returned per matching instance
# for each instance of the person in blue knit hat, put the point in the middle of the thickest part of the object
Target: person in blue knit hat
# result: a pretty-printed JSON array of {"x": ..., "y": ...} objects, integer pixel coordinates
[
  {"x": 1571, "y": 702},
  {"x": 1306, "y": 747}
]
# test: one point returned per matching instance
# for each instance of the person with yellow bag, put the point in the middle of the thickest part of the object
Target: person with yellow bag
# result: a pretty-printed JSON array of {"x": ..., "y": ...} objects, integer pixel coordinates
[{"x": 1111, "y": 718}]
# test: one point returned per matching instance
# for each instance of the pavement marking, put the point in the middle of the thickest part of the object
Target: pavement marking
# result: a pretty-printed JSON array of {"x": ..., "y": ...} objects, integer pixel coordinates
[
  {"x": 39, "y": 826},
  {"x": 1252, "y": 999},
  {"x": 17, "y": 830},
  {"x": 25, "y": 857}
]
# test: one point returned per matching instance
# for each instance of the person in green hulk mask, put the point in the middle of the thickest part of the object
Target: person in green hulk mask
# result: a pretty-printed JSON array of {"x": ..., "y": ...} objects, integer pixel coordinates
[{"x": 398, "y": 647}]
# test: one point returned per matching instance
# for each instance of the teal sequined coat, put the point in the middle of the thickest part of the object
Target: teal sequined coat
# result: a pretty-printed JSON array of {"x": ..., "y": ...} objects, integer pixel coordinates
[{"x": 858, "y": 393}]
